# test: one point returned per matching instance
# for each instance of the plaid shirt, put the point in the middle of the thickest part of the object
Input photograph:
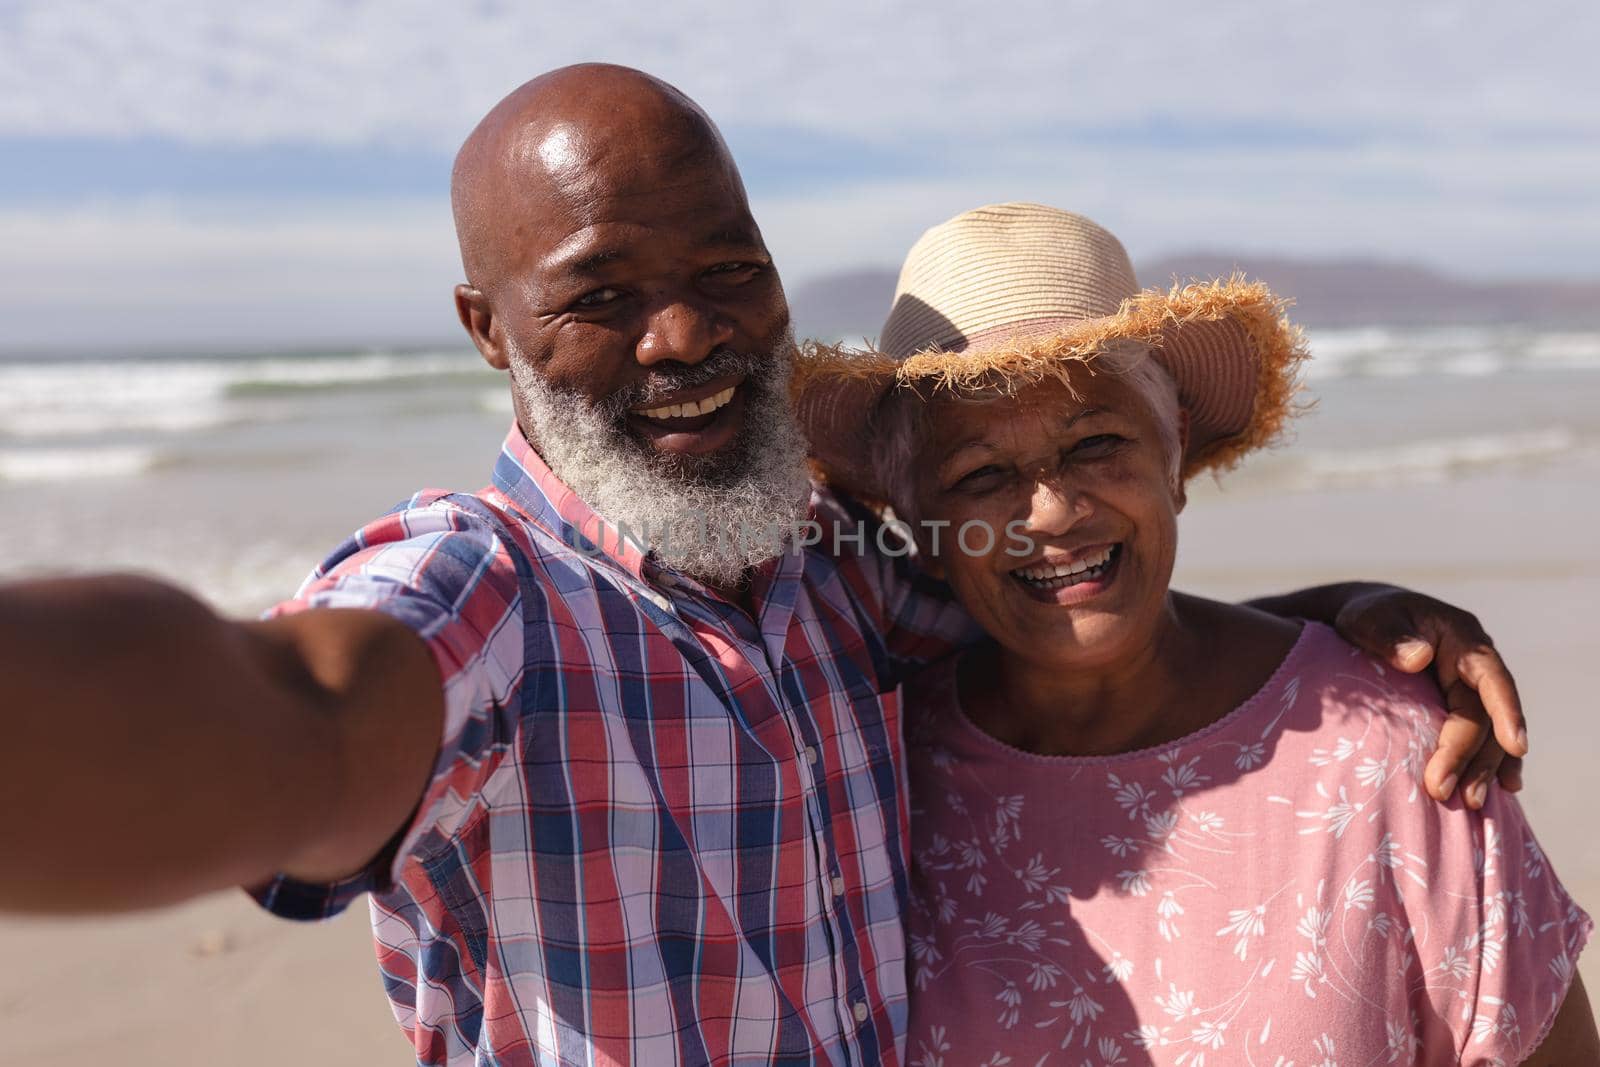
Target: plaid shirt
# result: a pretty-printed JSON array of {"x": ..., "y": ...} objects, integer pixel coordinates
[{"x": 658, "y": 830}]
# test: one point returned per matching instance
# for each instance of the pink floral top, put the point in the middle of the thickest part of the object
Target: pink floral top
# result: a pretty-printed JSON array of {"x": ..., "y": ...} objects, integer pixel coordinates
[{"x": 1274, "y": 889}]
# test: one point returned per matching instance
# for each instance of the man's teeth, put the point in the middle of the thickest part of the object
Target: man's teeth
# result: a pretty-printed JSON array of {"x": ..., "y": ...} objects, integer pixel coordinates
[
  {"x": 692, "y": 408},
  {"x": 1059, "y": 575}
]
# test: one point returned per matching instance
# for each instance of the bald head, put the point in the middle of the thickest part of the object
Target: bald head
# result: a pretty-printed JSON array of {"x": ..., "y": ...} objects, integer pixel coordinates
[{"x": 564, "y": 142}]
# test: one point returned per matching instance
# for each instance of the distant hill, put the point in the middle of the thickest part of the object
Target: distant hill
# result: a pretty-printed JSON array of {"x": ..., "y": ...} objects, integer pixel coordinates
[{"x": 1343, "y": 292}]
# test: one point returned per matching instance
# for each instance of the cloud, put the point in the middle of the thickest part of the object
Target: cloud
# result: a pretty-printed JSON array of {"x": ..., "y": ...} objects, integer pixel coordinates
[
  {"x": 413, "y": 73},
  {"x": 189, "y": 172}
]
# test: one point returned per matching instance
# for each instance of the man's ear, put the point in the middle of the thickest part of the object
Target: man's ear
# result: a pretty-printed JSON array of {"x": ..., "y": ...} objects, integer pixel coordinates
[
  {"x": 473, "y": 309},
  {"x": 1181, "y": 490}
]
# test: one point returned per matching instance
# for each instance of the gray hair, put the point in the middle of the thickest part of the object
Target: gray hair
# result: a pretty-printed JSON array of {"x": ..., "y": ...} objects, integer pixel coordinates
[{"x": 901, "y": 423}]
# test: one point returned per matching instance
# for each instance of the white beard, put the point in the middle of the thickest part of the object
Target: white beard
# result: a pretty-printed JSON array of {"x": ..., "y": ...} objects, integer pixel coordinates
[{"x": 713, "y": 517}]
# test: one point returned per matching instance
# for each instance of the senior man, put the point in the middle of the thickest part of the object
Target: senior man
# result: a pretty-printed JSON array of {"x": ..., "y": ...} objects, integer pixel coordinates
[{"x": 620, "y": 797}]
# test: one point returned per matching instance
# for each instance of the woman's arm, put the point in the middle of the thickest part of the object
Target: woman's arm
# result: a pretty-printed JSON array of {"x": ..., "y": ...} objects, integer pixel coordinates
[
  {"x": 1572, "y": 1039},
  {"x": 1486, "y": 734}
]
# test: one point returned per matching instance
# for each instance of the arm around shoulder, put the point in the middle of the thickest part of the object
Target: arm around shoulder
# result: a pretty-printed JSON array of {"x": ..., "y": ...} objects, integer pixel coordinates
[
  {"x": 1572, "y": 1038},
  {"x": 156, "y": 750}
]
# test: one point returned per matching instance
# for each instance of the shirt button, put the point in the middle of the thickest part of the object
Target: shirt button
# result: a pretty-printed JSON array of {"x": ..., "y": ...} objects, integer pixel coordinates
[
  {"x": 838, "y": 886},
  {"x": 860, "y": 1009},
  {"x": 811, "y": 754}
]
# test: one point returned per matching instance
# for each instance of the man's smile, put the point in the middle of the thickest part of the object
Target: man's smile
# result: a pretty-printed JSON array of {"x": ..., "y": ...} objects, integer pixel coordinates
[{"x": 695, "y": 421}]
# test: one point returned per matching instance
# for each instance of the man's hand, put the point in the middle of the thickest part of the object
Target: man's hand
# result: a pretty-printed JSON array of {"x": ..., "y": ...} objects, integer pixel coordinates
[
  {"x": 1485, "y": 735},
  {"x": 153, "y": 750}
]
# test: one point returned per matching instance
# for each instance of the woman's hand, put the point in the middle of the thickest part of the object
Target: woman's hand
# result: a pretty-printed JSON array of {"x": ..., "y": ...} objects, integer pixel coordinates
[{"x": 1485, "y": 735}]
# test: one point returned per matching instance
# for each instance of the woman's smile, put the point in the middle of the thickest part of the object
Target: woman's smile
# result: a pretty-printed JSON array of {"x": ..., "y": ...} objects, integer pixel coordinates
[{"x": 1070, "y": 578}]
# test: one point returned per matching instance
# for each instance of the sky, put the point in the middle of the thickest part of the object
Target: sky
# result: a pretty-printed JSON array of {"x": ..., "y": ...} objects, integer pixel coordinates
[{"x": 190, "y": 174}]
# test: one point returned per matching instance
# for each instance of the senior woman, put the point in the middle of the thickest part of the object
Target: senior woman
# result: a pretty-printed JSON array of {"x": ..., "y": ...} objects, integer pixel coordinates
[{"x": 1149, "y": 827}]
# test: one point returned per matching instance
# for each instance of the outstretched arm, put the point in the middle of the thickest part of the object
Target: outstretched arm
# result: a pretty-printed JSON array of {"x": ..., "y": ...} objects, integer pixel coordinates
[
  {"x": 1486, "y": 734},
  {"x": 154, "y": 750}
]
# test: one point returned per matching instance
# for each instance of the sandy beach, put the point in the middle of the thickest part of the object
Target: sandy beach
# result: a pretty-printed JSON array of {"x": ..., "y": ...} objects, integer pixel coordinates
[{"x": 1460, "y": 502}]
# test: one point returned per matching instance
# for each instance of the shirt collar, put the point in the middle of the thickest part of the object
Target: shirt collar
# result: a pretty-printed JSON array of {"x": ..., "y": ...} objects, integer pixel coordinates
[{"x": 529, "y": 483}]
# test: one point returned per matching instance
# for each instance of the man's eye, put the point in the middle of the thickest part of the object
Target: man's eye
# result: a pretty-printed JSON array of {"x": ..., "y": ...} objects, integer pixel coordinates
[
  {"x": 597, "y": 299},
  {"x": 733, "y": 273}
]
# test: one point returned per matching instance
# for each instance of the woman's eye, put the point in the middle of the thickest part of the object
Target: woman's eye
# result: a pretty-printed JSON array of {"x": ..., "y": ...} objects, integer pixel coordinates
[
  {"x": 980, "y": 478},
  {"x": 1101, "y": 444},
  {"x": 597, "y": 299}
]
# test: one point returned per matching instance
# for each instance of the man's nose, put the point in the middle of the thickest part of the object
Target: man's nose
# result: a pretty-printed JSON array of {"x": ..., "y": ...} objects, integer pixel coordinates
[
  {"x": 682, "y": 330},
  {"x": 1056, "y": 507}
]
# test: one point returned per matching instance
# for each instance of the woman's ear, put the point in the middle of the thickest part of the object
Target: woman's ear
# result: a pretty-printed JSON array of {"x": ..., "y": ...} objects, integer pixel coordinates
[{"x": 1180, "y": 490}]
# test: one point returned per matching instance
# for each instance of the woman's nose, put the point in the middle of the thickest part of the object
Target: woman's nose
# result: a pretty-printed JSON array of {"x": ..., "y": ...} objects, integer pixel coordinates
[{"x": 1056, "y": 507}]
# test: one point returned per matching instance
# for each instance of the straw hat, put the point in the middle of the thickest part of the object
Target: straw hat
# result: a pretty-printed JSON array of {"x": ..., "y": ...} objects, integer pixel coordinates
[{"x": 1007, "y": 292}]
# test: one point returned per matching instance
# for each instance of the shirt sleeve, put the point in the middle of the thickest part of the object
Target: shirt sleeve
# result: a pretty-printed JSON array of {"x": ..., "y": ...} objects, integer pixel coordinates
[
  {"x": 1525, "y": 952},
  {"x": 917, "y": 614},
  {"x": 446, "y": 573}
]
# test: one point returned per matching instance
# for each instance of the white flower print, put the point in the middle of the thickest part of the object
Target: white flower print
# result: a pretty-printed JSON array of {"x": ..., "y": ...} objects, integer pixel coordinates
[
  {"x": 1314, "y": 925},
  {"x": 1308, "y": 971},
  {"x": 1118, "y": 968},
  {"x": 1089, "y": 975},
  {"x": 1212, "y": 1034},
  {"x": 929, "y": 1055},
  {"x": 1148, "y": 1035},
  {"x": 1168, "y": 911},
  {"x": 1082, "y": 1007},
  {"x": 1245, "y": 923},
  {"x": 1181, "y": 777},
  {"x": 1042, "y": 976},
  {"x": 1132, "y": 797},
  {"x": 1120, "y": 846},
  {"x": 1337, "y": 816},
  {"x": 1342, "y": 750},
  {"x": 1010, "y": 998},
  {"x": 1027, "y": 935},
  {"x": 990, "y": 927},
  {"x": 1533, "y": 863},
  {"x": 1403, "y": 1042},
  {"x": 1369, "y": 772},
  {"x": 1034, "y": 874},
  {"x": 1110, "y": 1052},
  {"x": 1177, "y": 1003},
  {"x": 1501, "y": 1023},
  {"x": 1134, "y": 882},
  {"x": 1160, "y": 827}
]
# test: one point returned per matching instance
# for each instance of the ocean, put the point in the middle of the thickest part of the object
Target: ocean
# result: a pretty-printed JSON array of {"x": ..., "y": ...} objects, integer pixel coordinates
[{"x": 235, "y": 474}]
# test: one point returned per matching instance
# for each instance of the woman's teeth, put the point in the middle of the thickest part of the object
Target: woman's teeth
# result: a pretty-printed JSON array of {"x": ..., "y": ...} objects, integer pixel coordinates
[
  {"x": 1061, "y": 575},
  {"x": 692, "y": 408}
]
